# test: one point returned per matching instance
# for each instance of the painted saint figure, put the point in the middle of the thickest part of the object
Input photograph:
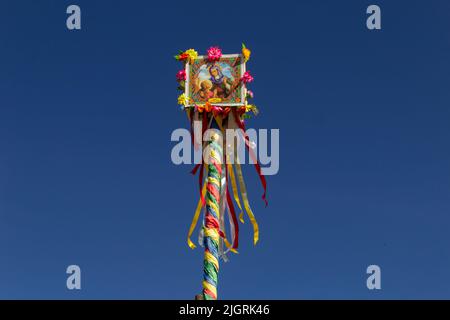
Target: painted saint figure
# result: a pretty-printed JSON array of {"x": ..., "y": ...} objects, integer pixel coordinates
[
  {"x": 221, "y": 84},
  {"x": 216, "y": 86}
]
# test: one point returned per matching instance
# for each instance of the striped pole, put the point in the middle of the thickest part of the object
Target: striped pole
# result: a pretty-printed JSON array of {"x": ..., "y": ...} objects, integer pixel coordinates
[{"x": 211, "y": 224}]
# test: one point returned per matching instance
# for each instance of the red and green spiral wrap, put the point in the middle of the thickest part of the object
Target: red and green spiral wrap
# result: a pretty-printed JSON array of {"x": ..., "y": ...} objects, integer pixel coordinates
[{"x": 211, "y": 224}]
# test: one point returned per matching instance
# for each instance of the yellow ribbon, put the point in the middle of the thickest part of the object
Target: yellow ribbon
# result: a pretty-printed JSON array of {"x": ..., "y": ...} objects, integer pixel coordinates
[
  {"x": 235, "y": 190},
  {"x": 246, "y": 203},
  {"x": 195, "y": 219},
  {"x": 228, "y": 244}
]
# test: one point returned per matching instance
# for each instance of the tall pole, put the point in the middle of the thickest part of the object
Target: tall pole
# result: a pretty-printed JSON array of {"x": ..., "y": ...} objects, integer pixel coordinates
[{"x": 211, "y": 224}]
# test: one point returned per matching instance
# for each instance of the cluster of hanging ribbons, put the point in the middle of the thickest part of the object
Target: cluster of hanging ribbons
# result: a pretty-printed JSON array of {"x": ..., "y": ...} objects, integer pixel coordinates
[{"x": 215, "y": 196}]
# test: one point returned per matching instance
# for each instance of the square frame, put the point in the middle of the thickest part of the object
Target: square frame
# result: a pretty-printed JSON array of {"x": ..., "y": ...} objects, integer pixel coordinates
[{"x": 239, "y": 97}]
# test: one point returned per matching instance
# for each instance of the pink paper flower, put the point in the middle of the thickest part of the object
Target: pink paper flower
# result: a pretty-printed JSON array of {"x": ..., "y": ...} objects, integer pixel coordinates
[
  {"x": 247, "y": 77},
  {"x": 214, "y": 53},
  {"x": 181, "y": 75},
  {"x": 250, "y": 94}
]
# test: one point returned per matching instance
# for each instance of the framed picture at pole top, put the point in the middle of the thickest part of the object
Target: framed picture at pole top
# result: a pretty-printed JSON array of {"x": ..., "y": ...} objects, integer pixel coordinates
[{"x": 217, "y": 82}]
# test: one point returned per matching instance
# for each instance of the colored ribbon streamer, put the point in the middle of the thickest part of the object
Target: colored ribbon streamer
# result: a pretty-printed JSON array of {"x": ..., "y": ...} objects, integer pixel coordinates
[
  {"x": 210, "y": 191},
  {"x": 246, "y": 203},
  {"x": 233, "y": 222},
  {"x": 252, "y": 154},
  {"x": 229, "y": 202},
  {"x": 195, "y": 219},
  {"x": 235, "y": 191},
  {"x": 235, "y": 242}
]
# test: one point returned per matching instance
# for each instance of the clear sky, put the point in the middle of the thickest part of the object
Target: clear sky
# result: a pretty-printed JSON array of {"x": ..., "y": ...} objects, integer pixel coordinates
[{"x": 85, "y": 170}]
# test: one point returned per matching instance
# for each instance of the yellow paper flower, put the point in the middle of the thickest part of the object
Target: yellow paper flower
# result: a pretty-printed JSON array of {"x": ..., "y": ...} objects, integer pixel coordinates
[
  {"x": 252, "y": 108},
  {"x": 183, "y": 100},
  {"x": 246, "y": 52},
  {"x": 192, "y": 55}
]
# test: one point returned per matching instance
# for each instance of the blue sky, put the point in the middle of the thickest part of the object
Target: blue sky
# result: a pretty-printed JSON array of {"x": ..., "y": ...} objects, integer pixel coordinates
[{"x": 85, "y": 170}]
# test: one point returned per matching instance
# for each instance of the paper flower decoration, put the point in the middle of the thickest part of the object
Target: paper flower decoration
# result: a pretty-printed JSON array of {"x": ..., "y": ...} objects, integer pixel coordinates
[
  {"x": 189, "y": 54},
  {"x": 181, "y": 75},
  {"x": 246, "y": 53},
  {"x": 214, "y": 54},
  {"x": 247, "y": 77},
  {"x": 183, "y": 100}
]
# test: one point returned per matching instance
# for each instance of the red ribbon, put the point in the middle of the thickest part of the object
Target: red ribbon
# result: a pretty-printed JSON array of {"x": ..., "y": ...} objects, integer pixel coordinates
[
  {"x": 200, "y": 177},
  {"x": 194, "y": 171},
  {"x": 233, "y": 213},
  {"x": 200, "y": 181},
  {"x": 252, "y": 155},
  {"x": 191, "y": 119}
]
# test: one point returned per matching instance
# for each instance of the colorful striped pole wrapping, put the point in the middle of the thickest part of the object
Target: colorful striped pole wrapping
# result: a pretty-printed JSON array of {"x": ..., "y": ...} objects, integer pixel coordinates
[{"x": 211, "y": 224}]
